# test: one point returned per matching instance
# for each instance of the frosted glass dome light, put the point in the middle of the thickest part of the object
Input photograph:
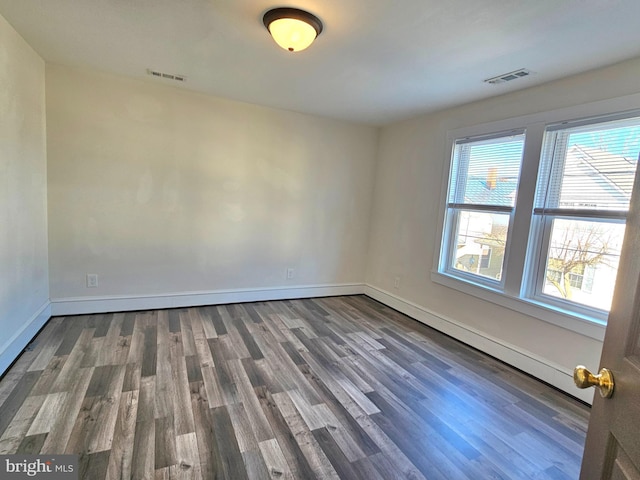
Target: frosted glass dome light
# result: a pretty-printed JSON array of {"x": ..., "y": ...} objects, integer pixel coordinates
[{"x": 292, "y": 29}]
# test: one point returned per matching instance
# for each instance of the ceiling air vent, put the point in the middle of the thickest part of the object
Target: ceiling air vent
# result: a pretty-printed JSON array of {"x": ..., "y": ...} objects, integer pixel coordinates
[
  {"x": 507, "y": 77},
  {"x": 167, "y": 76}
]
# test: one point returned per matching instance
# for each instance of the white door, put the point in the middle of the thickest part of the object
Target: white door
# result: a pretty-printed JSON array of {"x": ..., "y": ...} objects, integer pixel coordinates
[{"x": 613, "y": 440}]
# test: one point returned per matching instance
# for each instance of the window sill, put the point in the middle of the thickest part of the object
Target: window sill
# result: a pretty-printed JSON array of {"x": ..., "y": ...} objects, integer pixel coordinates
[{"x": 589, "y": 327}]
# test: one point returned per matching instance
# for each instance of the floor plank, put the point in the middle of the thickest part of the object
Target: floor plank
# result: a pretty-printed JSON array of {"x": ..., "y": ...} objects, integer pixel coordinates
[{"x": 328, "y": 388}]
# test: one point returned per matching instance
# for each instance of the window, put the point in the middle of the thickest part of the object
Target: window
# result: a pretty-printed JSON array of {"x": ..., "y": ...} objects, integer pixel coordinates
[
  {"x": 557, "y": 278},
  {"x": 485, "y": 259},
  {"x": 482, "y": 198},
  {"x": 582, "y": 198},
  {"x": 575, "y": 281},
  {"x": 567, "y": 226}
]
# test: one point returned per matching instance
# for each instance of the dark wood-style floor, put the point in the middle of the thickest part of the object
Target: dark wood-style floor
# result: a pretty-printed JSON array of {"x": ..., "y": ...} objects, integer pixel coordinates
[{"x": 327, "y": 388}]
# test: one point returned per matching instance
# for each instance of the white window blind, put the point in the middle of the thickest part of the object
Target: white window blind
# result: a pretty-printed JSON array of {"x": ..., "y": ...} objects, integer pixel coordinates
[
  {"x": 485, "y": 171},
  {"x": 589, "y": 169}
]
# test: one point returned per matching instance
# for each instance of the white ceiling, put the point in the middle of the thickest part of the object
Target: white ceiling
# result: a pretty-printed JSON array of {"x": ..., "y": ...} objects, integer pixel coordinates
[{"x": 377, "y": 61}]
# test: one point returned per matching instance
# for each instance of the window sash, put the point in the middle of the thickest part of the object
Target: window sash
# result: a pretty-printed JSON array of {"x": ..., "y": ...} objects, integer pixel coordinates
[
  {"x": 465, "y": 166},
  {"x": 583, "y": 172},
  {"x": 534, "y": 283},
  {"x": 452, "y": 234}
]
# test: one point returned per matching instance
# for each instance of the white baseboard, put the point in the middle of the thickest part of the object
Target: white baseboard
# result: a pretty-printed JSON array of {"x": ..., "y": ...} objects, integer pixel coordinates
[
  {"x": 89, "y": 305},
  {"x": 556, "y": 375},
  {"x": 12, "y": 347}
]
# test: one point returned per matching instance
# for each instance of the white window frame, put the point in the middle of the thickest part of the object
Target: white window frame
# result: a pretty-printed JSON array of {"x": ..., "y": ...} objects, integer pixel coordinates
[
  {"x": 514, "y": 292},
  {"x": 541, "y": 226},
  {"x": 455, "y": 209},
  {"x": 537, "y": 266}
]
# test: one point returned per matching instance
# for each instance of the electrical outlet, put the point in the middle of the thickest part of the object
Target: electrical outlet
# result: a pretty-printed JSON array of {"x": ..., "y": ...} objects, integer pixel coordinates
[
  {"x": 396, "y": 282},
  {"x": 291, "y": 272},
  {"x": 92, "y": 280}
]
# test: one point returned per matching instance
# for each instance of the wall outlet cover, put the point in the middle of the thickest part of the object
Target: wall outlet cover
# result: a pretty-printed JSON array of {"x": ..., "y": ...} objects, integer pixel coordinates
[{"x": 92, "y": 280}]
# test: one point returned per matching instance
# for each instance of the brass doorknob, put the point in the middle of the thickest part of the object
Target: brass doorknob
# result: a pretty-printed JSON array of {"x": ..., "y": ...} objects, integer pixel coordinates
[{"x": 583, "y": 378}]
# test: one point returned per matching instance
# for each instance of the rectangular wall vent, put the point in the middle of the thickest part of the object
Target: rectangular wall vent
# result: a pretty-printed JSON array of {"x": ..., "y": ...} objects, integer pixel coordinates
[
  {"x": 507, "y": 77},
  {"x": 168, "y": 76}
]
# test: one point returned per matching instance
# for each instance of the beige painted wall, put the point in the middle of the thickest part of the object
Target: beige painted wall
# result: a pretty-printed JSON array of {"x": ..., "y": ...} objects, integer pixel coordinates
[
  {"x": 159, "y": 191},
  {"x": 411, "y": 158},
  {"x": 24, "y": 287}
]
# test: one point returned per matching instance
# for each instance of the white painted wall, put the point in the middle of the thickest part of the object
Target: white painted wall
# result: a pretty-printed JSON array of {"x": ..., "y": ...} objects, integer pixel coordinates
[
  {"x": 406, "y": 214},
  {"x": 24, "y": 291},
  {"x": 161, "y": 191}
]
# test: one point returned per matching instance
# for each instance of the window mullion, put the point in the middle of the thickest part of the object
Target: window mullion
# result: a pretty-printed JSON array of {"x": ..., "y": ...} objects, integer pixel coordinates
[{"x": 516, "y": 253}]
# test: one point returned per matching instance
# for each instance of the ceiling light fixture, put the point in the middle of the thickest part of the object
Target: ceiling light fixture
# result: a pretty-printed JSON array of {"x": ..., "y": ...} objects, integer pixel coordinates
[{"x": 291, "y": 28}]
